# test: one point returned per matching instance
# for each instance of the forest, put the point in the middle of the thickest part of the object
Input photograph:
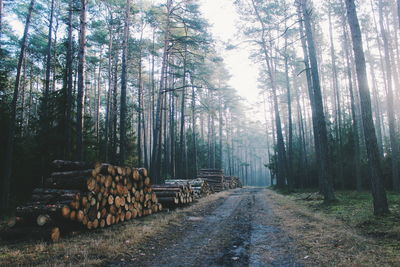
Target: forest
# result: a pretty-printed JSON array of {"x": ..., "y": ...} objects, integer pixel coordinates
[
  {"x": 142, "y": 83},
  {"x": 127, "y": 82},
  {"x": 147, "y": 84}
]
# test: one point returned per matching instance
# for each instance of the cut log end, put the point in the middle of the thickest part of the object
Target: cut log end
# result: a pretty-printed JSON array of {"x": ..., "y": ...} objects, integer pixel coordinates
[{"x": 55, "y": 234}]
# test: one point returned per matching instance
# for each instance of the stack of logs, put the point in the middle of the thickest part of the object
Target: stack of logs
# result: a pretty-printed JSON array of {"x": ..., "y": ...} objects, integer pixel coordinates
[
  {"x": 94, "y": 196},
  {"x": 200, "y": 188},
  {"x": 214, "y": 177},
  {"x": 232, "y": 182},
  {"x": 174, "y": 193}
]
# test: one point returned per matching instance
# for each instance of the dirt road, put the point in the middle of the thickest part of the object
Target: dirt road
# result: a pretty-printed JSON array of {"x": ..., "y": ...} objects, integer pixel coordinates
[{"x": 237, "y": 230}]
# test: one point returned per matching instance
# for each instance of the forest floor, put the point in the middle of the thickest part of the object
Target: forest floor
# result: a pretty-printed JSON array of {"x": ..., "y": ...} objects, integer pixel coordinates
[
  {"x": 242, "y": 227},
  {"x": 345, "y": 233}
]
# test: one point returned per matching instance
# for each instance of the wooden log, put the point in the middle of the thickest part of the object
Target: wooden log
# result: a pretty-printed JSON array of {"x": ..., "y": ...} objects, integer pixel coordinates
[
  {"x": 80, "y": 215},
  {"x": 171, "y": 189},
  {"x": 72, "y": 183},
  {"x": 166, "y": 193},
  {"x": 110, "y": 199},
  {"x": 72, "y": 174},
  {"x": 168, "y": 200},
  {"x": 154, "y": 186},
  {"x": 147, "y": 181},
  {"x": 109, "y": 219},
  {"x": 92, "y": 213},
  {"x": 143, "y": 172},
  {"x": 65, "y": 165},
  {"x": 100, "y": 168},
  {"x": 95, "y": 223},
  {"x": 135, "y": 174},
  {"x": 43, "y": 219}
]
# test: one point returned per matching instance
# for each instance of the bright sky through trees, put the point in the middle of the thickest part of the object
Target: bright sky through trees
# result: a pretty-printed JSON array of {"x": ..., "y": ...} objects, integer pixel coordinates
[{"x": 223, "y": 18}]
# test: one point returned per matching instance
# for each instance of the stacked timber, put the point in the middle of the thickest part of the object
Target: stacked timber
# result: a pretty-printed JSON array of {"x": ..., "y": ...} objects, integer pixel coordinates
[
  {"x": 200, "y": 188},
  {"x": 173, "y": 195},
  {"x": 90, "y": 195},
  {"x": 214, "y": 177},
  {"x": 232, "y": 182}
]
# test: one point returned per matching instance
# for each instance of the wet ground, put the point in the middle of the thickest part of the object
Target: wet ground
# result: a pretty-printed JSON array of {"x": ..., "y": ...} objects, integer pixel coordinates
[{"x": 237, "y": 230}]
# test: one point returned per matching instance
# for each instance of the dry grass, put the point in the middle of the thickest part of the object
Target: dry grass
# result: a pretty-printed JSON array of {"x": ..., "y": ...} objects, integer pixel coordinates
[
  {"x": 325, "y": 240},
  {"x": 122, "y": 242}
]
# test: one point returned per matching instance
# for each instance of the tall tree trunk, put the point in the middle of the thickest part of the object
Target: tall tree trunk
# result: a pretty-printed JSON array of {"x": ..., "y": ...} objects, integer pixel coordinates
[
  {"x": 324, "y": 162},
  {"x": 156, "y": 155},
  {"x": 355, "y": 127},
  {"x": 140, "y": 105},
  {"x": 310, "y": 90},
  {"x": 194, "y": 141},
  {"x": 290, "y": 120},
  {"x": 115, "y": 109},
  {"x": 172, "y": 134},
  {"x": 9, "y": 152},
  {"x": 378, "y": 191},
  {"x": 376, "y": 98},
  {"x": 98, "y": 102},
  {"x": 81, "y": 80},
  {"x": 108, "y": 125},
  {"x": 335, "y": 83},
  {"x": 390, "y": 109},
  {"x": 182, "y": 130},
  {"x": 68, "y": 112},
  {"x": 123, "y": 110},
  {"x": 45, "y": 122},
  {"x": 282, "y": 163}
]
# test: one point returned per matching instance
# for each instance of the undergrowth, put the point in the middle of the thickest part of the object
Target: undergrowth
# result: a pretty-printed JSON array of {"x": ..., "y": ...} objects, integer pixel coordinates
[{"x": 355, "y": 210}]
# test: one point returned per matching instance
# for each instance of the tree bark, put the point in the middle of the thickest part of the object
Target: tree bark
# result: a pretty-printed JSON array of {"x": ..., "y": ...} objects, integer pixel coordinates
[
  {"x": 378, "y": 191},
  {"x": 140, "y": 105},
  {"x": 355, "y": 127},
  {"x": 182, "y": 130},
  {"x": 9, "y": 152},
  {"x": 309, "y": 86},
  {"x": 108, "y": 125},
  {"x": 324, "y": 161},
  {"x": 123, "y": 111},
  {"x": 290, "y": 120},
  {"x": 338, "y": 115},
  {"x": 194, "y": 141},
  {"x": 68, "y": 112},
  {"x": 48, "y": 68},
  {"x": 81, "y": 80},
  {"x": 156, "y": 154},
  {"x": 282, "y": 163}
]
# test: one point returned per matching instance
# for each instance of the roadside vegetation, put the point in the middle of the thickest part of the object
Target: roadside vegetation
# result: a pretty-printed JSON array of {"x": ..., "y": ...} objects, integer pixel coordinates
[{"x": 348, "y": 225}]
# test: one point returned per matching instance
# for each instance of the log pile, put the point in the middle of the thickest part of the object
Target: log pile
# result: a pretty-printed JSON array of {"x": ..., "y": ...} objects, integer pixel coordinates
[
  {"x": 174, "y": 194},
  {"x": 90, "y": 195},
  {"x": 200, "y": 188},
  {"x": 214, "y": 177},
  {"x": 232, "y": 182}
]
